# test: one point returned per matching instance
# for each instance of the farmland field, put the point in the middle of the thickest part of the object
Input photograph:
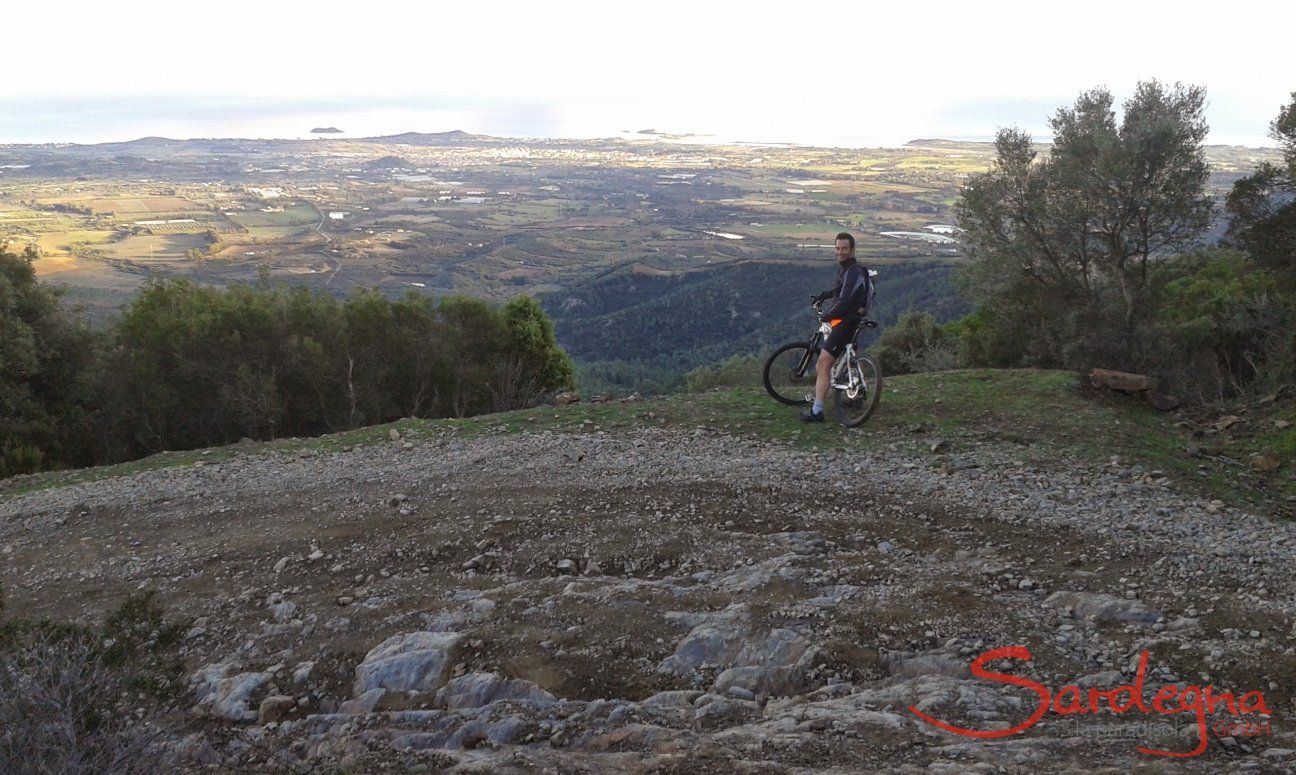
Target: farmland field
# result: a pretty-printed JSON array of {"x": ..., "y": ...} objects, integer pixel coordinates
[
  {"x": 156, "y": 247},
  {"x": 299, "y": 214},
  {"x": 140, "y": 206},
  {"x": 60, "y": 243}
]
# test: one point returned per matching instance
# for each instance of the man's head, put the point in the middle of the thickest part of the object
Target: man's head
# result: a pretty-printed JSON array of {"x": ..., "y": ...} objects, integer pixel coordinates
[{"x": 845, "y": 245}]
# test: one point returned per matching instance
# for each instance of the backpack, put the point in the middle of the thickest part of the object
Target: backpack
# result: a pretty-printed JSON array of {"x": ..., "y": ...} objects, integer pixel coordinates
[{"x": 870, "y": 293}]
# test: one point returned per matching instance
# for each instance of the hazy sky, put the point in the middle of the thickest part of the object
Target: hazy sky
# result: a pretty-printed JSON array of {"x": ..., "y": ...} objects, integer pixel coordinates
[{"x": 791, "y": 71}]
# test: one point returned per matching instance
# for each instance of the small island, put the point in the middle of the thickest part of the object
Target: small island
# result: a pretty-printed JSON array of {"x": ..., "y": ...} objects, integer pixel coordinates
[{"x": 326, "y": 130}]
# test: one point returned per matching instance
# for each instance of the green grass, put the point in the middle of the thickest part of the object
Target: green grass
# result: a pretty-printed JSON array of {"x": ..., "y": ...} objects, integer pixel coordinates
[
  {"x": 299, "y": 214},
  {"x": 1041, "y": 418}
]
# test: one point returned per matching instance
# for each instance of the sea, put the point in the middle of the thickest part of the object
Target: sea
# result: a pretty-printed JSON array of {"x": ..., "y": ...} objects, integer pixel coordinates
[
  {"x": 109, "y": 119},
  {"x": 104, "y": 119}
]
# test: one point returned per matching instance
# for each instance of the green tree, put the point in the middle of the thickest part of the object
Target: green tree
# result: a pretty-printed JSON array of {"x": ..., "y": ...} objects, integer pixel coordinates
[
  {"x": 422, "y": 372},
  {"x": 46, "y": 362},
  {"x": 1074, "y": 240},
  {"x": 1262, "y": 206},
  {"x": 477, "y": 337},
  {"x": 534, "y": 363}
]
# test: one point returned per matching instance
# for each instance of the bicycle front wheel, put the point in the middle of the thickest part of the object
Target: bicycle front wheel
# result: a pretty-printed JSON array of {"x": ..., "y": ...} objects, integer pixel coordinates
[
  {"x": 789, "y": 374},
  {"x": 856, "y": 403}
]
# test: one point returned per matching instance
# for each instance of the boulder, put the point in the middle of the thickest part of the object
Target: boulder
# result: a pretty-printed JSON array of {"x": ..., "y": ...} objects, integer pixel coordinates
[
  {"x": 226, "y": 696},
  {"x": 414, "y": 662},
  {"x": 276, "y": 707},
  {"x": 725, "y": 713},
  {"x": 728, "y": 644},
  {"x": 475, "y": 690},
  {"x": 1103, "y": 608}
]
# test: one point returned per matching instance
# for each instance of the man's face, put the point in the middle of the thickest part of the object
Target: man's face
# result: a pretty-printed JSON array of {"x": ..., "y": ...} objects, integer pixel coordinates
[{"x": 844, "y": 251}]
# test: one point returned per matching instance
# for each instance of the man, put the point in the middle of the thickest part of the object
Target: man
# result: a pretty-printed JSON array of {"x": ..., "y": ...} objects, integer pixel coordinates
[{"x": 849, "y": 296}]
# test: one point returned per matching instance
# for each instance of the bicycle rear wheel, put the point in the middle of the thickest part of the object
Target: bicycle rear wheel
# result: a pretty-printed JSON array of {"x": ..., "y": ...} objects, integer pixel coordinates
[
  {"x": 855, "y": 405},
  {"x": 789, "y": 374}
]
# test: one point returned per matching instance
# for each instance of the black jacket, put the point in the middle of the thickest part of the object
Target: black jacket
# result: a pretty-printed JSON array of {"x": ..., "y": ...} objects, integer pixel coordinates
[{"x": 849, "y": 294}]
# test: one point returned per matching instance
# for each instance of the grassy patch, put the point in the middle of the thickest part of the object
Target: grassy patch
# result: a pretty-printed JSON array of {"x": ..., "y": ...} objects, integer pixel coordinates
[
  {"x": 299, "y": 214},
  {"x": 1044, "y": 418}
]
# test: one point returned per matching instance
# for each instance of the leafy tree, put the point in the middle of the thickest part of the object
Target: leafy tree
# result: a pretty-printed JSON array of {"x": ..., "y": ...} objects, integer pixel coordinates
[
  {"x": 1262, "y": 206},
  {"x": 45, "y": 362},
  {"x": 535, "y": 363},
  {"x": 476, "y": 337},
  {"x": 422, "y": 372},
  {"x": 1074, "y": 240}
]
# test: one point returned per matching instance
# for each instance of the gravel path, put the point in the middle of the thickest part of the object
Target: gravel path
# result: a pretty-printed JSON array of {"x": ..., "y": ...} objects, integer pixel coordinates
[{"x": 669, "y": 600}]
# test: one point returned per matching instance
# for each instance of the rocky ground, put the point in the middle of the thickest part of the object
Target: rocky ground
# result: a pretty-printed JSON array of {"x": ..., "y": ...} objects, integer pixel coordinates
[{"x": 671, "y": 600}]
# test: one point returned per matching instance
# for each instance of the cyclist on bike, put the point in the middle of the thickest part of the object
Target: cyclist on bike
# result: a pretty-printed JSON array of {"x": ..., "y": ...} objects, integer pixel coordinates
[{"x": 849, "y": 296}]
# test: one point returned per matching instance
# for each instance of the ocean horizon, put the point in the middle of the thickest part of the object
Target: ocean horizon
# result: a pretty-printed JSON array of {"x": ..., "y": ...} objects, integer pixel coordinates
[{"x": 97, "y": 120}]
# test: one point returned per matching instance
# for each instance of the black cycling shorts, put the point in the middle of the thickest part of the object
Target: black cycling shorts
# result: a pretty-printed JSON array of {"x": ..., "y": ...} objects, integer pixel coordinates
[{"x": 842, "y": 333}]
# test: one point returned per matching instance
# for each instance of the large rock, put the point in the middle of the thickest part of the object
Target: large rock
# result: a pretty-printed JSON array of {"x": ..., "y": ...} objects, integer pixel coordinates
[
  {"x": 909, "y": 665},
  {"x": 727, "y": 644},
  {"x": 772, "y": 680},
  {"x": 1103, "y": 608},
  {"x": 478, "y": 689},
  {"x": 226, "y": 696},
  {"x": 276, "y": 707},
  {"x": 725, "y": 713},
  {"x": 414, "y": 662}
]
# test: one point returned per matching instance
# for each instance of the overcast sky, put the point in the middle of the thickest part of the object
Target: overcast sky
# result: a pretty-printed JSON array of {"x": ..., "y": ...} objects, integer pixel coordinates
[{"x": 800, "y": 72}]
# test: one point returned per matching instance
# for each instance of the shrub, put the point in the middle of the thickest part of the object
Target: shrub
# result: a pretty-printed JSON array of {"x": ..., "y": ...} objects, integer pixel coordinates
[
  {"x": 735, "y": 371},
  {"x": 916, "y": 343},
  {"x": 68, "y": 693}
]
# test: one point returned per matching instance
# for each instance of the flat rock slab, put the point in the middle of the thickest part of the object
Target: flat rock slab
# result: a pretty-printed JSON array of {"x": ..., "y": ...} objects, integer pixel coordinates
[
  {"x": 478, "y": 689},
  {"x": 1103, "y": 608},
  {"x": 226, "y": 696},
  {"x": 413, "y": 662}
]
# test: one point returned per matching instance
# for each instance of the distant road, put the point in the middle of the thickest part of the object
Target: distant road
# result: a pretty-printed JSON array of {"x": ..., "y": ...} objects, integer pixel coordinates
[{"x": 319, "y": 228}]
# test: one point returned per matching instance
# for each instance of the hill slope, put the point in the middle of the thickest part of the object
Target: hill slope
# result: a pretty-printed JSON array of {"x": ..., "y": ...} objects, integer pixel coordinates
[
  {"x": 672, "y": 322},
  {"x": 634, "y": 586}
]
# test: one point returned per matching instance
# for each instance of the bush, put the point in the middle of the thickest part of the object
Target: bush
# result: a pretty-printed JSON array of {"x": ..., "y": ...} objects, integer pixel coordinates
[
  {"x": 916, "y": 343},
  {"x": 736, "y": 371},
  {"x": 1224, "y": 326},
  {"x": 68, "y": 693}
]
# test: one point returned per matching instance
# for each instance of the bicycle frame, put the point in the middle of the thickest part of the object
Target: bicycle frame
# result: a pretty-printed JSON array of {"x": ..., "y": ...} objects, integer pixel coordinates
[{"x": 854, "y": 381}]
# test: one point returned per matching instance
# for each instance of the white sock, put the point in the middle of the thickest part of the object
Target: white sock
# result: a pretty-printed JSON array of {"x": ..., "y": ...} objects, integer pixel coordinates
[{"x": 818, "y": 407}]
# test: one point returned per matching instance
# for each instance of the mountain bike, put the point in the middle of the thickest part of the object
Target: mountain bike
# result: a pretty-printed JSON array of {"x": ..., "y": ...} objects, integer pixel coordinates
[{"x": 789, "y": 375}]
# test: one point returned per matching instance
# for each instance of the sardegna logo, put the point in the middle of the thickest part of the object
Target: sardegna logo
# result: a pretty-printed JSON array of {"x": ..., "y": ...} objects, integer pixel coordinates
[{"x": 1199, "y": 701}]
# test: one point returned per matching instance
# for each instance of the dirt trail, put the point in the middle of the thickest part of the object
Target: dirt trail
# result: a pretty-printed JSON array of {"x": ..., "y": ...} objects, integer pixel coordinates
[{"x": 672, "y": 600}]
